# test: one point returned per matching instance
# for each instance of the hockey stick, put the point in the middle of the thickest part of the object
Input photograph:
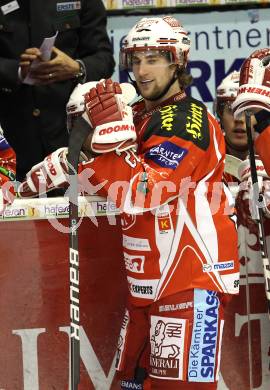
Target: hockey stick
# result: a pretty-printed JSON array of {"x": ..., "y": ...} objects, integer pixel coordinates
[
  {"x": 258, "y": 197},
  {"x": 80, "y": 130},
  {"x": 79, "y": 133}
]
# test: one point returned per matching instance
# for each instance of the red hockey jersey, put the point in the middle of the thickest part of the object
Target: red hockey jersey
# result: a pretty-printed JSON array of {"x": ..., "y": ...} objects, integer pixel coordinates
[
  {"x": 177, "y": 233},
  {"x": 262, "y": 145}
]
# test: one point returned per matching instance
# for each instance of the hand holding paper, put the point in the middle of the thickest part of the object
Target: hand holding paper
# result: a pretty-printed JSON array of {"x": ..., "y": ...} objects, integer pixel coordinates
[{"x": 32, "y": 58}]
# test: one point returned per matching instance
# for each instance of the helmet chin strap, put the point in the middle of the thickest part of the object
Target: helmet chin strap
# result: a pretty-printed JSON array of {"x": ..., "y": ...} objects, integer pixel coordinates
[
  {"x": 166, "y": 89},
  {"x": 163, "y": 93},
  {"x": 134, "y": 83}
]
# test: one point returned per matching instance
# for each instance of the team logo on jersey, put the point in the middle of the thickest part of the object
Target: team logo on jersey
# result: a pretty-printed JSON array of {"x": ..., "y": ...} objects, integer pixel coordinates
[
  {"x": 167, "y": 339},
  {"x": 166, "y": 155},
  {"x": 203, "y": 348}
]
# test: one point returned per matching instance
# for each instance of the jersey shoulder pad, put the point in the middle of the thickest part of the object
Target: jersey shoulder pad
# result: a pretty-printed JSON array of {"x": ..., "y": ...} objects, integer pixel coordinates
[{"x": 186, "y": 119}]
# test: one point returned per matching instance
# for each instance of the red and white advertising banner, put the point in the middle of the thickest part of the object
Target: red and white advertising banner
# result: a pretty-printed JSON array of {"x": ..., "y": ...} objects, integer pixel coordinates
[{"x": 34, "y": 302}]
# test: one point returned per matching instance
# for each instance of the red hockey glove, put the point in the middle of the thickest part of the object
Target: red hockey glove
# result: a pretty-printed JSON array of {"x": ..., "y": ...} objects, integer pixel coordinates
[
  {"x": 110, "y": 117},
  {"x": 244, "y": 174},
  {"x": 254, "y": 84},
  {"x": 51, "y": 173}
]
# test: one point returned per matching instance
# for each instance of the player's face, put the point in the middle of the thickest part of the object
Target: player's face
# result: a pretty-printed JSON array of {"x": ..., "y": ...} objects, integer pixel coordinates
[
  {"x": 152, "y": 72},
  {"x": 235, "y": 129}
]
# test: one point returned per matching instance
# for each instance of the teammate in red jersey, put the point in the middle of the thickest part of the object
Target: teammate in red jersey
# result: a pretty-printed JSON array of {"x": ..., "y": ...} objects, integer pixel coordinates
[
  {"x": 7, "y": 172},
  {"x": 254, "y": 95},
  {"x": 234, "y": 128},
  {"x": 179, "y": 243},
  {"x": 238, "y": 176}
]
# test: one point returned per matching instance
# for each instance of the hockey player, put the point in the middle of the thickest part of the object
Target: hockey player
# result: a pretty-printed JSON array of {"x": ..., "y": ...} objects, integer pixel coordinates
[
  {"x": 179, "y": 248},
  {"x": 251, "y": 299},
  {"x": 7, "y": 172},
  {"x": 254, "y": 95},
  {"x": 234, "y": 128}
]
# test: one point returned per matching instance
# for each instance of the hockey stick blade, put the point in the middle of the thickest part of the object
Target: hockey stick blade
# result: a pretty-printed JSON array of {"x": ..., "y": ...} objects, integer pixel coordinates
[{"x": 78, "y": 134}]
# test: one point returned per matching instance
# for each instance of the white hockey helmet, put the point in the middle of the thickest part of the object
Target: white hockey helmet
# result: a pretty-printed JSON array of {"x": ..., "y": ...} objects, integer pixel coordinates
[
  {"x": 227, "y": 91},
  {"x": 164, "y": 34}
]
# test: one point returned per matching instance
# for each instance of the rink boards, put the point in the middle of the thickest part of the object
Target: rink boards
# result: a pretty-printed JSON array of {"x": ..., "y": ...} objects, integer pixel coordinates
[{"x": 34, "y": 305}]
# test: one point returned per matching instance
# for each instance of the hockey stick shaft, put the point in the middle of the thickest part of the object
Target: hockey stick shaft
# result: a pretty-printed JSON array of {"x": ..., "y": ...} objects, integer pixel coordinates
[
  {"x": 77, "y": 137},
  {"x": 258, "y": 199}
]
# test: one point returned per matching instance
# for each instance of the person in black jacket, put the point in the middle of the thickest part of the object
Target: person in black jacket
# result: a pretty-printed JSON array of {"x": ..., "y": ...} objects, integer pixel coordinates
[{"x": 34, "y": 116}]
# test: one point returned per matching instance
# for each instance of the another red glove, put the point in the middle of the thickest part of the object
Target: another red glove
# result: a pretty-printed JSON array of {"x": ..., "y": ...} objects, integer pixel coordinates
[
  {"x": 110, "y": 117},
  {"x": 49, "y": 174},
  {"x": 254, "y": 84}
]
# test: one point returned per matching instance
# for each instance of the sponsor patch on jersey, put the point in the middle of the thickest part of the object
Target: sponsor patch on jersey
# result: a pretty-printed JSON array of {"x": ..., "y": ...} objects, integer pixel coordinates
[
  {"x": 221, "y": 266},
  {"x": 203, "y": 348},
  {"x": 166, "y": 155},
  {"x": 142, "y": 288},
  {"x": 164, "y": 224},
  {"x": 134, "y": 263},
  {"x": 131, "y": 385},
  {"x": 68, "y": 6},
  {"x": 139, "y": 244},
  {"x": 175, "y": 306},
  {"x": 186, "y": 119},
  {"x": 167, "y": 339}
]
